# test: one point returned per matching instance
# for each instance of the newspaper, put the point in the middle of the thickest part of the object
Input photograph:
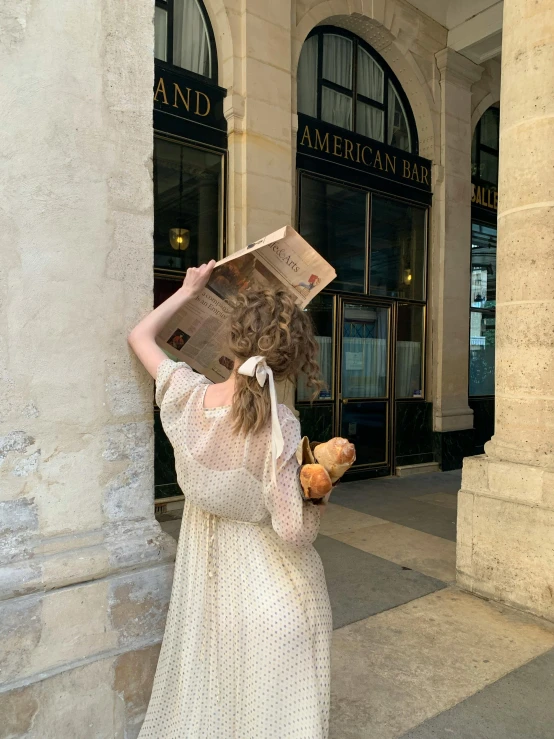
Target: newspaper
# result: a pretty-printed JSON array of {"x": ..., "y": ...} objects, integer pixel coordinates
[{"x": 196, "y": 334}]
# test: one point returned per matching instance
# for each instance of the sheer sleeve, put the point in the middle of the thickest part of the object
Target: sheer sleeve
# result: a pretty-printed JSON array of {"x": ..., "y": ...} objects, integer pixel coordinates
[
  {"x": 294, "y": 520},
  {"x": 175, "y": 382}
]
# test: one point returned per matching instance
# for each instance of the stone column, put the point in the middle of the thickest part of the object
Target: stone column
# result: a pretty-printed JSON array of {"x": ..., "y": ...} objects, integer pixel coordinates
[
  {"x": 258, "y": 110},
  {"x": 450, "y": 263},
  {"x": 85, "y": 572},
  {"x": 506, "y": 512}
]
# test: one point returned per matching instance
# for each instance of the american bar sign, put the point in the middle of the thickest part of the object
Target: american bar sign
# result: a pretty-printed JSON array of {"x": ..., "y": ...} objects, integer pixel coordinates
[{"x": 322, "y": 140}]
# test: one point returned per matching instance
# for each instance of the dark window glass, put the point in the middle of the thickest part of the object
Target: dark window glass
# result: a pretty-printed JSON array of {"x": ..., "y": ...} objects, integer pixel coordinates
[
  {"x": 187, "y": 205},
  {"x": 365, "y": 425},
  {"x": 481, "y": 353},
  {"x": 316, "y": 421},
  {"x": 365, "y": 352},
  {"x": 483, "y": 304},
  {"x": 397, "y": 249},
  {"x": 333, "y": 220},
  {"x": 321, "y": 312},
  {"x": 483, "y": 266},
  {"x": 484, "y": 149},
  {"x": 409, "y": 351}
]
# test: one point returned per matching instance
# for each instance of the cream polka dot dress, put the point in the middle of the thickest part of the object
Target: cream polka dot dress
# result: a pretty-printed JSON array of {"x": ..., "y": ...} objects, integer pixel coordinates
[{"x": 245, "y": 653}]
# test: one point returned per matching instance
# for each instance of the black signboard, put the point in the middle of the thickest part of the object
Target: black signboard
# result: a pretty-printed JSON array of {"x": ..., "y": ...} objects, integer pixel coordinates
[
  {"x": 182, "y": 99},
  {"x": 335, "y": 145}
]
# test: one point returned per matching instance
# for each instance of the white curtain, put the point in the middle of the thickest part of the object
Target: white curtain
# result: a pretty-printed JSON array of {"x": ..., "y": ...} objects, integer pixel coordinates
[
  {"x": 398, "y": 133},
  {"x": 370, "y": 121},
  {"x": 370, "y": 77},
  {"x": 336, "y": 108},
  {"x": 307, "y": 78},
  {"x": 191, "y": 43},
  {"x": 325, "y": 360},
  {"x": 337, "y": 60},
  {"x": 364, "y": 368},
  {"x": 160, "y": 34},
  {"x": 408, "y": 368}
]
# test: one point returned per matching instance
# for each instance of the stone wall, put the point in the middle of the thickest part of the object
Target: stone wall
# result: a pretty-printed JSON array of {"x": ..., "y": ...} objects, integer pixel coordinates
[{"x": 85, "y": 572}]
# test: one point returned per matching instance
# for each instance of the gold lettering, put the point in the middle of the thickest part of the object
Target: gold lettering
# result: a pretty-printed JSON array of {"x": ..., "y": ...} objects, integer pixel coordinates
[
  {"x": 495, "y": 200},
  {"x": 197, "y": 111},
  {"x": 472, "y": 193},
  {"x": 390, "y": 161},
  {"x": 358, "y": 153},
  {"x": 414, "y": 173},
  {"x": 178, "y": 92},
  {"x": 425, "y": 175},
  {"x": 367, "y": 164},
  {"x": 320, "y": 142},
  {"x": 348, "y": 149},
  {"x": 406, "y": 171},
  {"x": 489, "y": 193},
  {"x": 337, "y": 143},
  {"x": 377, "y": 162},
  {"x": 161, "y": 88},
  {"x": 306, "y": 135},
  {"x": 478, "y": 198}
]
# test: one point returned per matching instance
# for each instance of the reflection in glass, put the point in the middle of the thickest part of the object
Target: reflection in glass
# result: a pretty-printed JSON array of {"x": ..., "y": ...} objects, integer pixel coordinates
[
  {"x": 316, "y": 421},
  {"x": 160, "y": 34},
  {"x": 489, "y": 168},
  {"x": 483, "y": 266},
  {"x": 321, "y": 312},
  {"x": 409, "y": 353},
  {"x": 365, "y": 351},
  {"x": 489, "y": 128},
  {"x": 397, "y": 249},
  {"x": 336, "y": 108},
  {"x": 398, "y": 133},
  {"x": 333, "y": 220},
  {"x": 187, "y": 187},
  {"x": 481, "y": 353},
  {"x": 365, "y": 425}
]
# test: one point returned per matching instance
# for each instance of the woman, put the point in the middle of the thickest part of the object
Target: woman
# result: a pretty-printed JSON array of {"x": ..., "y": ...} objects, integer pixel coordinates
[{"x": 245, "y": 653}]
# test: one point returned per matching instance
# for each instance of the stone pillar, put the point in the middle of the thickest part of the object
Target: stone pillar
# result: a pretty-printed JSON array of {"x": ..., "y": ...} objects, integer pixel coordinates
[
  {"x": 506, "y": 512},
  {"x": 258, "y": 111},
  {"x": 85, "y": 572},
  {"x": 450, "y": 263}
]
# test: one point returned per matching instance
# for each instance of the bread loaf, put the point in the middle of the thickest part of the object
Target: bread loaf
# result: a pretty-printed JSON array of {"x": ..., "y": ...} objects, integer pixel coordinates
[
  {"x": 315, "y": 481},
  {"x": 336, "y": 455}
]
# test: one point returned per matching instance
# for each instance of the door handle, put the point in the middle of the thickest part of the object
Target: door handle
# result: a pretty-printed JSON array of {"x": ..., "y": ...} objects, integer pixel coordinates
[{"x": 344, "y": 401}]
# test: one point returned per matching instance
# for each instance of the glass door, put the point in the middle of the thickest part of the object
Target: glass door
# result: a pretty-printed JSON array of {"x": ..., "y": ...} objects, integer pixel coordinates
[{"x": 363, "y": 397}]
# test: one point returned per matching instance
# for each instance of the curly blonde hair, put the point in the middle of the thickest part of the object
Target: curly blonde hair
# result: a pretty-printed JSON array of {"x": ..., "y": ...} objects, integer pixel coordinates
[{"x": 267, "y": 322}]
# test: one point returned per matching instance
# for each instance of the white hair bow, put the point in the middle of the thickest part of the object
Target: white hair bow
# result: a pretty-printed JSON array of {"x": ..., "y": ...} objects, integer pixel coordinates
[{"x": 257, "y": 367}]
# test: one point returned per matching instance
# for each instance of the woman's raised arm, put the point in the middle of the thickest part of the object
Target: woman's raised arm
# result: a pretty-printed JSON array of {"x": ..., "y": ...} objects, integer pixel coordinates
[{"x": 142, "y": 338}]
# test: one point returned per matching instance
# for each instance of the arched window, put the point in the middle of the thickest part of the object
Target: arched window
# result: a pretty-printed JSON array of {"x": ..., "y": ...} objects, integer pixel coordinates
[
  {"x": 343, "y": 81},
  {"x": 184, "y": 37},
  {"x": 484, "y": 149}
]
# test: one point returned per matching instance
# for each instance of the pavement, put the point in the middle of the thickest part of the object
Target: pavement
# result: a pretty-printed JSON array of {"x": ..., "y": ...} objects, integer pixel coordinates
[{"x": 413, "y": 656}]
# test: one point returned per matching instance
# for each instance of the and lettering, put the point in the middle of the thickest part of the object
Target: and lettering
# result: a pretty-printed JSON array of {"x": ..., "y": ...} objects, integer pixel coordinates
[{"x": 192, "y": 101}]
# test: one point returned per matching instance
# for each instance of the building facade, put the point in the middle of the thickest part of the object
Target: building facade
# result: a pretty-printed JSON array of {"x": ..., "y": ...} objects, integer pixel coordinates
[{"x": 178, "y": 131}]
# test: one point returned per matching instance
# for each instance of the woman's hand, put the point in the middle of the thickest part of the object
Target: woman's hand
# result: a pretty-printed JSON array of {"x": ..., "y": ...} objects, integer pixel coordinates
[{"x": 197, "y": 278}]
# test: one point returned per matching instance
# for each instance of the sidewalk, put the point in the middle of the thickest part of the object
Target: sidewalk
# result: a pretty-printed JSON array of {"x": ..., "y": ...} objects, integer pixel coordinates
[{"x": 413, "y": 657}]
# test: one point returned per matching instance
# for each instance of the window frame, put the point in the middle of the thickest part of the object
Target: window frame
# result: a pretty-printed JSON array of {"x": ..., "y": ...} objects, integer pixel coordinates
[
  {"x": 353, "y": 94},
  {"x": 480, "y": 147},
  {"x": 169, "y": 6}
]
